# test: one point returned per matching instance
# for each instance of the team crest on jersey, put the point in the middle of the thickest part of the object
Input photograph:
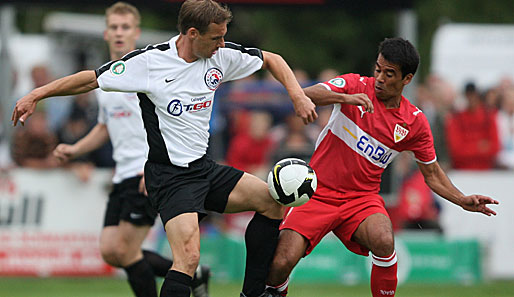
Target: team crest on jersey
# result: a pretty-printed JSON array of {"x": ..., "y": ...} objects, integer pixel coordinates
[
  {"x": 175, "y": 107},
  {"x": 118, "y": 68},
  {"x": 338, "y": 82},
  {"x": 399, "y": 133},
  {"x": 213, "y": 78}
]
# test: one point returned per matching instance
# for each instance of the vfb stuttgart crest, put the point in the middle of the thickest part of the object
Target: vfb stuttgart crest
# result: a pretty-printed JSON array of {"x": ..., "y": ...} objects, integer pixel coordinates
[
  {"x": 213, "y": 78},
  {"x": 399, "y": 133}
]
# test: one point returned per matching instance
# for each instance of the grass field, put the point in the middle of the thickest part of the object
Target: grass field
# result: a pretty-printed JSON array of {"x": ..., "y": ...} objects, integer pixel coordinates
[{"x": 108, "y": 287}]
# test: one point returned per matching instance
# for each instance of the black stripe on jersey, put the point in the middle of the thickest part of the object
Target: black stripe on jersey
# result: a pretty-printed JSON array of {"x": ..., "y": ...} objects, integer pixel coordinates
[
  {"x": 157, "y": 147},
  {"x": 251, "y": 51},
  {"x": 106, "y": 66}
]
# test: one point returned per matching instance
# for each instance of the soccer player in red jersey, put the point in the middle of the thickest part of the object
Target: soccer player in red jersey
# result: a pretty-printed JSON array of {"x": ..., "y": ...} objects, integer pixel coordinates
[{"x": 371, "y": 123}]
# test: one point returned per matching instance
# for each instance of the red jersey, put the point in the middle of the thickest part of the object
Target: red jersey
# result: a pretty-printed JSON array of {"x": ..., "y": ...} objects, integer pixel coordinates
[{"x": 355, "y": 147}]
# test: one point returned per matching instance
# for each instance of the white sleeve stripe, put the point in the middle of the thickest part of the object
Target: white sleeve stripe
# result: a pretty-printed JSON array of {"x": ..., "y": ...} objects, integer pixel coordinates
[
  {"x": 327, "y": 87},
  {"x": 426, "y": 163}
]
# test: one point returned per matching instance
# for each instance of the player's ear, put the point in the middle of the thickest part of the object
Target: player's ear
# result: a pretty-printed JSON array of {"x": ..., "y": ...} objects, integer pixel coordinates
[
  {"x": 407, "y": 79},
  {"x": 192, "y": 33},
  {"x": 105, "y": 35}
]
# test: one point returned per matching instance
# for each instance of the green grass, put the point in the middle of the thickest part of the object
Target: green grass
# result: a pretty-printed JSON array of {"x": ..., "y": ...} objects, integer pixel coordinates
[{"x": 109, "y": 287}]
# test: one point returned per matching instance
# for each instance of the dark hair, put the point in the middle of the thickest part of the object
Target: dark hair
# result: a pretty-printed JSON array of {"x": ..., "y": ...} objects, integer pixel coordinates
[
  {"x": 400, "y": 52},
  {"x": 200, "y": 13}
]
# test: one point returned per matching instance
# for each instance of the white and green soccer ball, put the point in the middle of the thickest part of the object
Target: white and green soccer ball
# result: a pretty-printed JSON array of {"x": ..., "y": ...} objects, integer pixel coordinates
[{"x": 292, "y": 182}]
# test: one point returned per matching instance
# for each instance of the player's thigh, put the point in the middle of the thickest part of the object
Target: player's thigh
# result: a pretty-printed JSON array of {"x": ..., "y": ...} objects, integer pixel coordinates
[
  {"x": 251, "y": 193},
  {"x": 109, "y": 238},
  {"x": 376, "y": 233},
  {"x": 132, "y": 235}
]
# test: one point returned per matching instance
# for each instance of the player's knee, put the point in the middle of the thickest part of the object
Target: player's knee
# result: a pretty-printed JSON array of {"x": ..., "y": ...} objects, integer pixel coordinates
[
  {"x": 110, "y": 255},
  {"x": 271, "y": 209},
  {"x": 383, "y": 244}
]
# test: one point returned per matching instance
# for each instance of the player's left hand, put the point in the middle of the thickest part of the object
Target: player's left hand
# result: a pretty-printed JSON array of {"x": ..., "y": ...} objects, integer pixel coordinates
[
  {"x": 478, "y": 203},
  {"x": 305, "y": 108}
]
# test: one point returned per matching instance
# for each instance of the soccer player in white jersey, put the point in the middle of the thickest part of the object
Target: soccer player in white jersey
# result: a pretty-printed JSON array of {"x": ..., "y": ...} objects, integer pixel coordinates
[
  {"x": 129, "y": 214},
  {"x": 371, "y": 123},
  {"x": 175, "y": 82}
]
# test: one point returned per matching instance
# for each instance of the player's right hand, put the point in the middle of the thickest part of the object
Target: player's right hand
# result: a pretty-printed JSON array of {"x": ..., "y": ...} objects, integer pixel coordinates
[
  {"x": 23, "y": 109},
  {"x": 360, "y": 100},
  {"x": 64, "y": 152}
]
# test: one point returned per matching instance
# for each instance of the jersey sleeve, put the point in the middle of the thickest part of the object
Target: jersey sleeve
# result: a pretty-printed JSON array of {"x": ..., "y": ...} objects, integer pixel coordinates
[
  {"x": 423, "y": 147},
  {"x": 129, "y": 74},
  {"x": 350, "y": 83},
  {"x": 102, "y": 112},
  {"x": 240, "y": 62}
]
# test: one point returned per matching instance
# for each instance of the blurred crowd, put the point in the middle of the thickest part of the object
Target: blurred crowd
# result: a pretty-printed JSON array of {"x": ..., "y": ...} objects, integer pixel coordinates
[{"x": 253, "y": 125}]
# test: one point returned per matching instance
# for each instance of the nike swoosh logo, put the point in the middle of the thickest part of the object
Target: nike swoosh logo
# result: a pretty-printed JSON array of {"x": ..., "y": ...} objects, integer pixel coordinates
[
  {"x": 135, "y": 216},
  {"x": 168, "y": 80}
]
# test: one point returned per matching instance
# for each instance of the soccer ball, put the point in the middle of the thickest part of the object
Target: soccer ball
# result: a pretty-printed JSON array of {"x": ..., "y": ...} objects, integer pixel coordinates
[{"x": 292, "y": 182}]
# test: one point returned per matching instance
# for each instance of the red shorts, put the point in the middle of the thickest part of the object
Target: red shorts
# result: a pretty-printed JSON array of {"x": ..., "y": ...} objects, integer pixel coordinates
[{"x": 342, "y": 216}]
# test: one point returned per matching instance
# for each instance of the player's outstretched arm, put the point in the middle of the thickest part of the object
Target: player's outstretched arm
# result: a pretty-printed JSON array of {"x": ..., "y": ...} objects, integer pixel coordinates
[
  {"x": 282, "y": 72},
  {"x": 93, "y": 140},
  {"x": 439, "y": 182},
  {"x": 322, "y": 96},
  {"x": 77, "y": 83}
]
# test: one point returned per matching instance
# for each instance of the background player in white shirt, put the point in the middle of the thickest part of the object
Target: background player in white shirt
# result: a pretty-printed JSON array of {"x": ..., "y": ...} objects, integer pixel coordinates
[
  {"x": 371, "y": 123},
  {"x": 175, "y": 82},
  {"x": 129, "y": 214}
]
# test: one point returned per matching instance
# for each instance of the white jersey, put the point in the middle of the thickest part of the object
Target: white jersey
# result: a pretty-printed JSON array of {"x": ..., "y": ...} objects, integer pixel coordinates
[
  {"x": 177, "y": 96},
  {"x": 121, "y": 113}
]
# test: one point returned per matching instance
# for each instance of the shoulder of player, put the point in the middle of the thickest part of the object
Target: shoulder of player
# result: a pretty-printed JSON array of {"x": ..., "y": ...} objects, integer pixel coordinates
[
  {"x": 234, "y": 48},
  {"x": 138, "y": 53},
  {"x": 352, "y": 82}
]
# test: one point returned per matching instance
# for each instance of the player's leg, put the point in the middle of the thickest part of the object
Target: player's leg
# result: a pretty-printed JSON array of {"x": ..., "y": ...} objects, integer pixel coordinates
[
  {"x": 290, "y": 249},
  {"x": 376, "y": 233},
  {"x": 161, "y": 265},
  {"x": 183, "y": 235},
  {"x": 121, "y": 247},
  {"x": 261, "y": 236}
]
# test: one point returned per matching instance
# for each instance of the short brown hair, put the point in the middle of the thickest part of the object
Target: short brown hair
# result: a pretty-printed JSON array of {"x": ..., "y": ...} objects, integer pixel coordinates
[
  {"x": 200, "y": 13},
  {"x": 123, "y": 8}
]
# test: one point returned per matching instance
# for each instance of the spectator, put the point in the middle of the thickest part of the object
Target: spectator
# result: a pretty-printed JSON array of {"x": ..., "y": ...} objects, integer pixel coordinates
[
  {"x": 250, "y": 149},
  {"x": 436, "y": 98},
  {"x": 33, "y": 144},
  {"x": 57, "y": 109},
  {"x": 472, "y": 134},
  {"x": 505, "y": 120}
]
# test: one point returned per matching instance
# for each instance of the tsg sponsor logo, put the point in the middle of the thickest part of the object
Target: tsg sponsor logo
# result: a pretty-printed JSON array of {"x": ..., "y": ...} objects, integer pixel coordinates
[
  {"x": 377, "y": 153},
  {"x": 118, "y": 113},
  {"x": 198, "y": 106},
  {"x": 213, "y": 78},
  {"x": 175, "y": 107}
]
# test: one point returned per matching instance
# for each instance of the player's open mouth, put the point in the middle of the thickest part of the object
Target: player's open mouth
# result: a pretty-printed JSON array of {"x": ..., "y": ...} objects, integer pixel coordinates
[
  {"x": 119, "y": 43},
  {"x": 378, "y": 89}
]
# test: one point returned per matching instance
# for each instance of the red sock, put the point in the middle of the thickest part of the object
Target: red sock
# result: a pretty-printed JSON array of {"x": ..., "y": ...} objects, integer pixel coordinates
[{"x": 383, "y": 276}]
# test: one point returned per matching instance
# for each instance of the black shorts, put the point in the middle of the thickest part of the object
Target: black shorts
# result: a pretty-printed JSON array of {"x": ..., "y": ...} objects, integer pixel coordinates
[
  {"x": 204, "y": 185},
  {"x": 126, "y": 203}
]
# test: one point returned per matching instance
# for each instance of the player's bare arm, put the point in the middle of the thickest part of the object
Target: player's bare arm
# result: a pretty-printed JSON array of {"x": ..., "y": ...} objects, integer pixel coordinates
[
  {"x": 77, "y": 83},
  {"x": 439, "y": 182},
  {"x": 322, "y": 96},
  {"x": 93, "y": 140},
  {"x": 282, "y": 72}
]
